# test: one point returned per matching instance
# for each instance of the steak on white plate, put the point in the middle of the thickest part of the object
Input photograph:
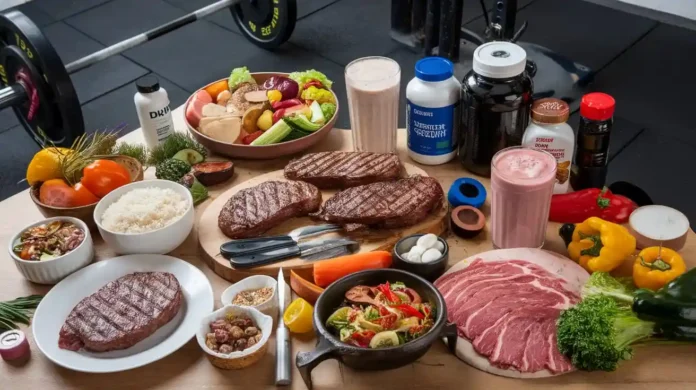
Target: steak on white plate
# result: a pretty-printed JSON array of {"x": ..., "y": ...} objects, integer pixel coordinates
[{"x": 508, "y": 310}]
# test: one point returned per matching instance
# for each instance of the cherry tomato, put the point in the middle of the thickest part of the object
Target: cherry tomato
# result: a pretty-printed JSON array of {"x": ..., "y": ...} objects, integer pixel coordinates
[
  {"x": 363, "y": 338},
  {"x": 83, "y": 196},
  {"x": 251, "y": 137},
  {"x": 57, "y": 193},
  {"x": 104, "y": 176}
]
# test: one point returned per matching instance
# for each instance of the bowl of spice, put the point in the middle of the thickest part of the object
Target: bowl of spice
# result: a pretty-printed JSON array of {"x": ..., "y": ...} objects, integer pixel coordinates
[
  {"x": 150, "y": 216},
  {"x": 258, "y": 291},
  {"x": 47, "y": 251},
  {"x": 235, "y": 337}
]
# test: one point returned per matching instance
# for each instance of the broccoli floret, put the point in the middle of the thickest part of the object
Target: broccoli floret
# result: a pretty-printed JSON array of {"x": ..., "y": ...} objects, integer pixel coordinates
[
  {"x": 601, "y": 283},
  {"x": 597, "y": 333},
  {"x": 172, "y": 169}
]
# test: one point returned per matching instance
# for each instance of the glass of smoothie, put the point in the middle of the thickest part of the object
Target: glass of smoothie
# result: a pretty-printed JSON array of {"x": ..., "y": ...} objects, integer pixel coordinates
[
  {"x": 522, "y": 181},
  {"x": 372, "y": 84}
]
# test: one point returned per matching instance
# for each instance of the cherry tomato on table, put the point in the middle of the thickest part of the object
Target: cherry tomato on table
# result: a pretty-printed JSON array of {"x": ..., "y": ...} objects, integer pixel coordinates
[{"x": 104, "y": 176}]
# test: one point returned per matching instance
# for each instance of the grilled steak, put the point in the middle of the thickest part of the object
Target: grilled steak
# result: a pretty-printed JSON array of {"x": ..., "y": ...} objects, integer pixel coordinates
[
  {"x": 344, "y": 169},
  {"x": 390, "y": 204},
  {"x": 122, "y": 313},
  {"x": 254, "y": 210}
]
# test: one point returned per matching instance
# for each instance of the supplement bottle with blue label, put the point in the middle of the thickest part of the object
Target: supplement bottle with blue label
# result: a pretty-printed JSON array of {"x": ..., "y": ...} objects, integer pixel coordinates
[{"x": 432, "y": 107}]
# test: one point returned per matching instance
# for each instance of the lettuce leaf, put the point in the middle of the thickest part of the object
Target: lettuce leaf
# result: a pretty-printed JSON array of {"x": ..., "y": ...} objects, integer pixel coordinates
[
  {"x": 238, "y": 77},
  {"x": 303, "y": 77}
]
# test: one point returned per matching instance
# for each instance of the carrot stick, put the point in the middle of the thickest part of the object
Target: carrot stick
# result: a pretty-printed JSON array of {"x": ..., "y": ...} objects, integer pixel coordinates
[{"x": 328, "y": 271}]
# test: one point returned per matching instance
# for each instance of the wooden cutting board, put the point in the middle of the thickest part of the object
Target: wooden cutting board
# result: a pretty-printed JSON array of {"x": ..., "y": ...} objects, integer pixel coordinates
[
  {"x": 574, "y": 275},
  {"x": 210, "y": 237}
]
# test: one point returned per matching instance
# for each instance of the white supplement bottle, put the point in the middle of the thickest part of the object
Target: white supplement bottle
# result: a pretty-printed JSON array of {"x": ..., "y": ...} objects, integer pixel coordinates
[
  {"x": 432, "y": 112},
  {"x": 549, "y": 131},
  {"x": 152, "y": 105}
]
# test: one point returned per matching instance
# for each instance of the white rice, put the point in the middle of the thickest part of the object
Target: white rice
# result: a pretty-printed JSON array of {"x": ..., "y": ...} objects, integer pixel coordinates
[{"x": 143, "y": 210}]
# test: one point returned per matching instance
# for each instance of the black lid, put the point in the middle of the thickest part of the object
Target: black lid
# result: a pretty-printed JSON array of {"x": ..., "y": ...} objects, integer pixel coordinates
[{"x": 147, "y": 84}]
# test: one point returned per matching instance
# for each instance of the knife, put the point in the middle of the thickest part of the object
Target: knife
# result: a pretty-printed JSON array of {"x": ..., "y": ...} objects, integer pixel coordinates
[
  {"x": 283, "y": 372},
  {"x": 253, "y": 245},
  {"x": 318, "y": 249}
]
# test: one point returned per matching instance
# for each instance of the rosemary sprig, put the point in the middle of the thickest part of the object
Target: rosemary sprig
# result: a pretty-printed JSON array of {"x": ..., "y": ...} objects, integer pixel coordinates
[{"x": 137, "y": 151}]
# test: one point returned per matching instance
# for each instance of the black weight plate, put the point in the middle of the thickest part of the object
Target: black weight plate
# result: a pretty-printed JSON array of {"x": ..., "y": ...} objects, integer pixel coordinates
[
  {"x": 64, "y": 122},
  {"x": 266, "y": 23}
]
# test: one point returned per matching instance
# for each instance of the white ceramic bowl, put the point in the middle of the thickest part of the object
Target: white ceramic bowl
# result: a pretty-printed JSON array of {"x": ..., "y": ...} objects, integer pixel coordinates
[
  {"x": 160, "y": 241},
  {"x": 270, "y": 307},
  {"x": 54, "y": 270},
  {"x": 238, "y": 359}
]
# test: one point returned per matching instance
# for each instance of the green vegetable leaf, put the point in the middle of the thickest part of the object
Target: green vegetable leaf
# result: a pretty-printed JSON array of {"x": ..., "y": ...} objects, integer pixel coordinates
[
  {"x": 171, "y": 146},
  {"x": 198, "y": 192},
  {"x": 172, "y": 170},
  {"x": 601, "y": 283},
  {"x": 397, "y": 286},
  {"x": 328, "y": 109},
  {"x": 238, "y": 77},
  {"x": 303, "y": 77}
]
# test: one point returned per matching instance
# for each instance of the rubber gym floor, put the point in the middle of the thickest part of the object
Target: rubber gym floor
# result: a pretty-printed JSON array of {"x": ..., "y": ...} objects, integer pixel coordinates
[{"x": 645, "y": 65}]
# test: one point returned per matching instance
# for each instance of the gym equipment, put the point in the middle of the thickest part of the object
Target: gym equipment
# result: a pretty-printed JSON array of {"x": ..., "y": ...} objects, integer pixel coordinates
[
  {"x": 433, "y": 27},
  {"x": 37, "y": 84}
]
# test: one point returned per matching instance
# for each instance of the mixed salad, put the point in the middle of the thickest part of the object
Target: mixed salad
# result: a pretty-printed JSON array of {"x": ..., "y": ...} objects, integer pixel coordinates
[
  {"x": 241, "y": 111},
  {"x": 383, "y": 316},
  {"x": 48, "y": 241}
]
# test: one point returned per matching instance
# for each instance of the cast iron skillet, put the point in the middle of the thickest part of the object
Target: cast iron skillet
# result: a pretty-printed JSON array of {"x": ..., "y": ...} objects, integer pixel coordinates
[{"x": 330, "y": 347}]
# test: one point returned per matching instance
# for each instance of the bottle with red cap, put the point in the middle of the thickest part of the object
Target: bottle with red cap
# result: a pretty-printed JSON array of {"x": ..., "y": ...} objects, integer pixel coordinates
[{"x": 592, "y": 146}]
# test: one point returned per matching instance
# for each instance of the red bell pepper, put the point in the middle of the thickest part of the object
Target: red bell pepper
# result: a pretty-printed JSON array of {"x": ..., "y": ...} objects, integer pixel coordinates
[
  {"x": 277, "y": 115},
  {"x": 409, "y": 311},
  {"x": 363, "y": 338},
  {"x": 312, "y": 83},
  {"x": 249, "y": 138},
  {"x": 388, "y": 293},
  {"x": 285, "y": 104},
  {"x": 575, "y": 207}
]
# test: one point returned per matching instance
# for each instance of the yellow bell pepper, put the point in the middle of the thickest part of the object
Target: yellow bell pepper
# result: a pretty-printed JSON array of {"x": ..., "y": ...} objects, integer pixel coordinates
[
  {"x": 599, "y": 245},
  {"x": 655, "y": 267}
]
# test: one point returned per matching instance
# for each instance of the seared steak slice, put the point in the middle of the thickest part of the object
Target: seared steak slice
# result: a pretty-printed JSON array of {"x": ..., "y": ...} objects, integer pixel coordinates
[
  {"x": 344, "y": 169},
  {"x": 391, "y": 204},
  {"x": 252, "y": 211},
  {"x": 122, "y": 313}
]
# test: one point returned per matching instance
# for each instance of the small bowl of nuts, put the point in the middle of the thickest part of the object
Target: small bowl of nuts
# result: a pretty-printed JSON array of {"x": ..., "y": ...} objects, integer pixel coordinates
[
  {"x": 258, "y": 291},
  {"x": 235, "y": 337}
]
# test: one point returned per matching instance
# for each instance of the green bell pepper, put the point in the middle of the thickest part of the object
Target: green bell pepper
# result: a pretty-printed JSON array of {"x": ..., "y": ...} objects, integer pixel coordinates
[{"x": 674, "y": 304}]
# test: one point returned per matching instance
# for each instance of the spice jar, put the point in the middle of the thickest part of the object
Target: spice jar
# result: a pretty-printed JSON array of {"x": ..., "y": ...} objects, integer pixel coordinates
[
  {"x": 549, "y": 132},
  {"x": 496, "y": 99},
  {"x": 596, "y": 120}
]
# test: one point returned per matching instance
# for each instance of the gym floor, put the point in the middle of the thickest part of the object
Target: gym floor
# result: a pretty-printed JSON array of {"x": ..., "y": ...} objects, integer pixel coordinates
[{"x": 645, "y": 65}]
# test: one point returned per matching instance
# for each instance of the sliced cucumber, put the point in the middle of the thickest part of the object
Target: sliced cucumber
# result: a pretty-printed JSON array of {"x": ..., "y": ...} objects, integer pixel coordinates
[
  {"x": 302, "y": 122},
  {"x": 273, "y": 135},
  {"x": 385, "y": 339},
  {"x": 189, "y": 156}
]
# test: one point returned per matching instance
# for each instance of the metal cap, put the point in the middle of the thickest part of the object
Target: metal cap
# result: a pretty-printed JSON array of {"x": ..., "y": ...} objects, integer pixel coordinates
[{"x": 499, "y": 60}]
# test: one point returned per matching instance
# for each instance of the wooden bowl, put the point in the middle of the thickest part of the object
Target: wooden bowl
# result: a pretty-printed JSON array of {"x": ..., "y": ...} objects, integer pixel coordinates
[
  {"x": 266, "y": 152},
  {"x": 84, "y": 213}
]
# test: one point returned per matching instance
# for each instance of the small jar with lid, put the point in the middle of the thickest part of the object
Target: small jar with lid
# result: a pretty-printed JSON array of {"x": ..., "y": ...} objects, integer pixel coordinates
[
  {"x": 496, "y": 99},
  {"x": 432, "y": 112},
  {"x": 549, "y": 132}
]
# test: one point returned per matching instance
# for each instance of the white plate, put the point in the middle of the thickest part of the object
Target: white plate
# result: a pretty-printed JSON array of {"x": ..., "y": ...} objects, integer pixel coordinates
[{"x": 59, "y": 302}]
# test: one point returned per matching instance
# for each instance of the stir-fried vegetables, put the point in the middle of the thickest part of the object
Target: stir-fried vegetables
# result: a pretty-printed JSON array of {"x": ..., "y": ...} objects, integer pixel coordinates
[
  {"x": 383, "y": 316},
  {"x": 48, "y": 241}
]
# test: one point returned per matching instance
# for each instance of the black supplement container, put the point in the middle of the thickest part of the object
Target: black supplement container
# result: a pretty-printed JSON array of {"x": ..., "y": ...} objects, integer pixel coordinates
[
  {"x": 589, "y": 168},
  {"x": 496, "y": 103}
]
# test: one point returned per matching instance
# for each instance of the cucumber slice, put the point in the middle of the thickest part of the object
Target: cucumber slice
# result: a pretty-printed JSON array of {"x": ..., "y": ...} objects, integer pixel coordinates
[
  {"x": 302, "y": 122},
  {"x": 317, "y": 114},
  {"x": 273, "y": 135},
  {"x": 189, "y": 156},
  {"x": 385, "y": 339}
]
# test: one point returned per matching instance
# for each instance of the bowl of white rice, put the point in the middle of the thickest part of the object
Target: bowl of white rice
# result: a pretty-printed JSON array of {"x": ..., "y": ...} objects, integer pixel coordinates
[{"x": 150, "y": 216}]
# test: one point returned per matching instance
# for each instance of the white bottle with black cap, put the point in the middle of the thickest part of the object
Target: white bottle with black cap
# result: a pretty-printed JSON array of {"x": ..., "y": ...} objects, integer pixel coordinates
[{"x": 152, "y": 105}]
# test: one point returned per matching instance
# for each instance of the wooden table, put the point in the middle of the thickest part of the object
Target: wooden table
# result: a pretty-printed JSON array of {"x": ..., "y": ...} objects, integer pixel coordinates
[{"x": 663, "y": 367}]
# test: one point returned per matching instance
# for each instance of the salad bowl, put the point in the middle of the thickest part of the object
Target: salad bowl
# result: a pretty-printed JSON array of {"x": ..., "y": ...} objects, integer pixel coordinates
[
  {"x": 265, "y": 152},
  {"x": 330, "y": 347}
]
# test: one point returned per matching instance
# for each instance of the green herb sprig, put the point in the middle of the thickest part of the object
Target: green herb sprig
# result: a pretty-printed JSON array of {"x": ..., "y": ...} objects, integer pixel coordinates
[
  {"x": 17, "y": 311},
  {"x": 173, "y": 144}
]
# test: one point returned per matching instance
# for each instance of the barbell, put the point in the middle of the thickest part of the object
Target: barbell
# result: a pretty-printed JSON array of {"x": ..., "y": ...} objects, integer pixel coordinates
[{"x": 36, "y": 84}]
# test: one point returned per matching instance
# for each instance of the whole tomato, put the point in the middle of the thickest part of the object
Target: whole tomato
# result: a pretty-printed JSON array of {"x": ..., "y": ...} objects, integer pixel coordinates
[
  {"x": 83, "y": 196},
  {"x": 57, "y": 193},
  {"x": 104, "y": 176}
]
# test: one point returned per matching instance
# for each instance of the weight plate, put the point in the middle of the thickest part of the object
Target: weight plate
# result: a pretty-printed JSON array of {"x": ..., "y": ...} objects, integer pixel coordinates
[
  {"x": 266, "y": 23},
  {"x": 59, "y": 115}
]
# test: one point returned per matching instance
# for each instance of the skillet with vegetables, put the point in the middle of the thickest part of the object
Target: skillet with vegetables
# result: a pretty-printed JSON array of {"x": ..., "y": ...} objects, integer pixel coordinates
[
  {"x": 241, "y": 111},
  {"x": 381, "y": 316}
]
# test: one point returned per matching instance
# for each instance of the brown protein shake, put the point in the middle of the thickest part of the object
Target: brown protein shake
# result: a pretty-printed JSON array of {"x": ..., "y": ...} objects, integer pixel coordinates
[{"x": 372, "y": 84}]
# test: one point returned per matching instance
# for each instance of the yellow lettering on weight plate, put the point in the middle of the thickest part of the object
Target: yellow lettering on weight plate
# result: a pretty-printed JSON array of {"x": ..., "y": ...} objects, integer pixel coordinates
[
  {"x": 23, "y": 45},
  {"x": 252, "y": 26},
  {"x": 3, "y": 74}
]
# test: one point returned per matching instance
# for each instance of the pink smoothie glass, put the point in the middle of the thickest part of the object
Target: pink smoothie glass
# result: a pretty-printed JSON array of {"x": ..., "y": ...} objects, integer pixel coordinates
[{"x": 522, "y": 181}]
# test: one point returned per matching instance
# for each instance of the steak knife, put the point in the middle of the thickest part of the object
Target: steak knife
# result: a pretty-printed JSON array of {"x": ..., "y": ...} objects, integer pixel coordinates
[
  {"x": 283, "y": 376},
  {"x": 312, "y": 250},
  {"x": 254, "y": 245}
]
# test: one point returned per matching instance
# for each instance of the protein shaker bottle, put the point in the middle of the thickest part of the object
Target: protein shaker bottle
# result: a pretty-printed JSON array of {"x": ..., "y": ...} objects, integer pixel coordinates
[{"x": 496, "y": 102}]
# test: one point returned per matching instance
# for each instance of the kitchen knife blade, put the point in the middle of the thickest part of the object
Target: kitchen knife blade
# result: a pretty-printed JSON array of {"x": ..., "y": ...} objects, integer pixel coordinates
[
  {"x": 283, "y": 371},
  {"x": 254, "y": 245},
  {"x": 311, "y": 250}
]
